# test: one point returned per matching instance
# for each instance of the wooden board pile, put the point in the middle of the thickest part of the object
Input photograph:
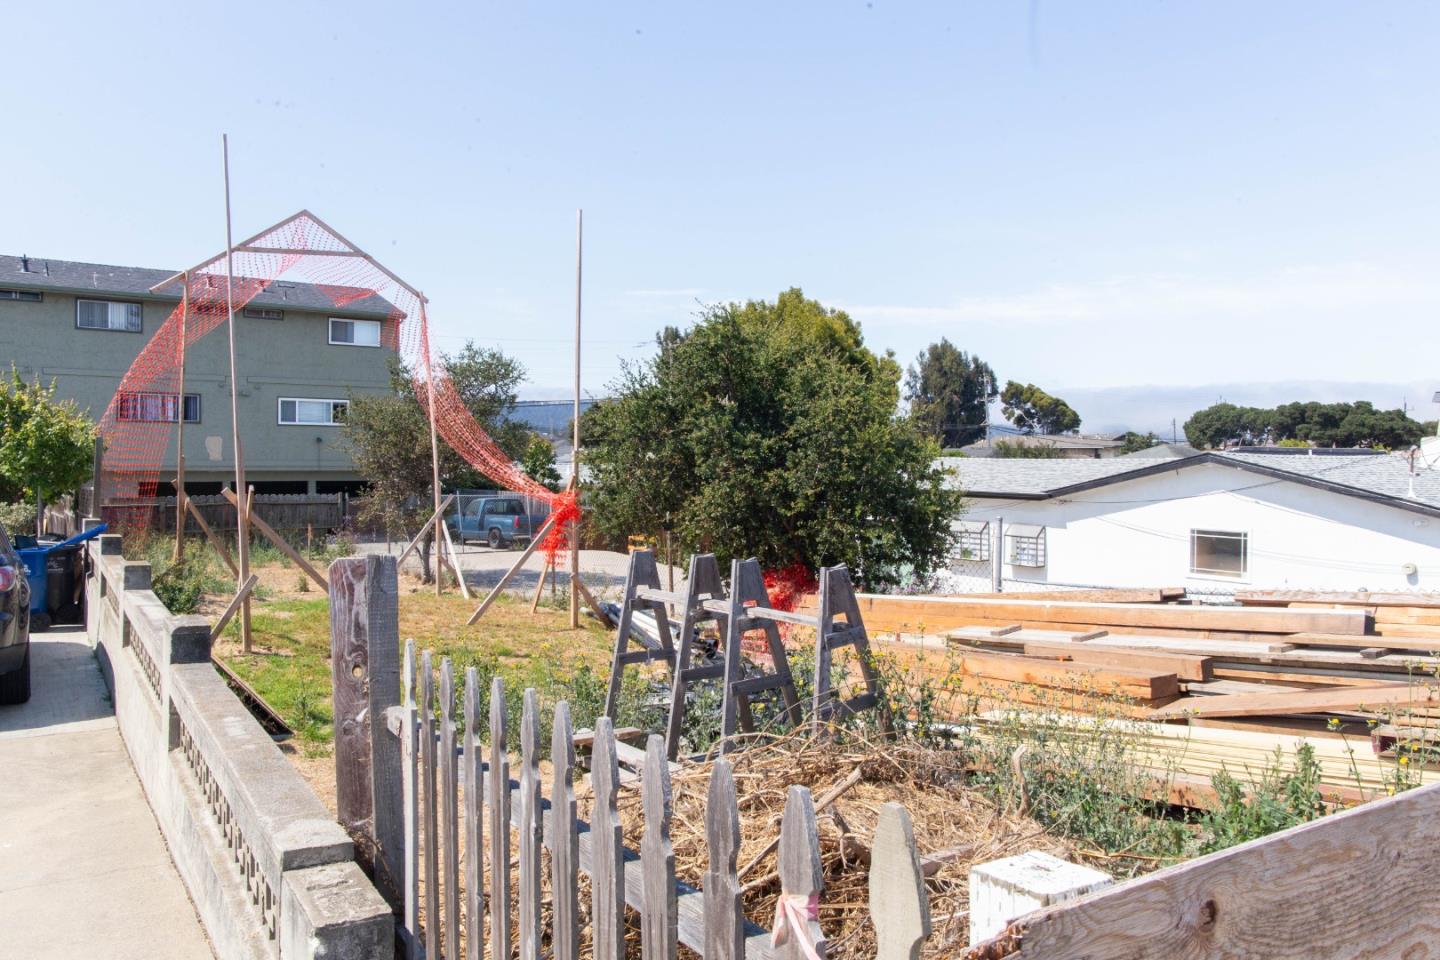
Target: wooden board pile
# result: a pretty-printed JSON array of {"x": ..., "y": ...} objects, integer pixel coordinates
[{"x": 1271, "y": 670}]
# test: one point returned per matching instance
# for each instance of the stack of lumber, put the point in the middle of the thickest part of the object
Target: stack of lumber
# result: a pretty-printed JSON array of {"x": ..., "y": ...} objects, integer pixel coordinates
[{"x": 1412, "y": 615}]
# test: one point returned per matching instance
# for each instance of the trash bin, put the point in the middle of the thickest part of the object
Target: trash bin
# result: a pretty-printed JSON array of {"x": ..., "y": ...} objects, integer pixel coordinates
[
  {"x": 60, "y": 579},
  {"x": 35, "y": 557}
]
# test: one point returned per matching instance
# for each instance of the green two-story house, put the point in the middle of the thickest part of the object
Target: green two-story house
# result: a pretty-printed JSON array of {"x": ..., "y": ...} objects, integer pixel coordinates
[{"x": 299, "y": 359}]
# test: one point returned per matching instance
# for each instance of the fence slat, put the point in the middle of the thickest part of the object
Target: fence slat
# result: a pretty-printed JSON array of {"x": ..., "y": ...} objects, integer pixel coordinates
[
  {"x": 607, "y": 888},
  {"x": 801, "y": 879},
  {"x": 474, "y": 821},
  {"x": 427, "y": 784},
  {"x": 410, "y": 767},
  {"x": 724, "y": 920},
  {"x": 529, "y": 827},
  {"x": 899, "y": 905},
  {"x": 449, "y": 775},
  {"x": 564, "y": 840},
  {"x": 659, "y": 920},
  {"x": 498, "y": 796}
]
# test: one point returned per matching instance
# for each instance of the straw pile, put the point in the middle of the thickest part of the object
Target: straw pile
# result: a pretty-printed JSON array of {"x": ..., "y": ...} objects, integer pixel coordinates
[{"x": 953, "y": 824}]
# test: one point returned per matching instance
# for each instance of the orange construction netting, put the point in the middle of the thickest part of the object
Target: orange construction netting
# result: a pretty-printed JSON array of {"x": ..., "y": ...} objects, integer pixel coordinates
[{"x": 139, "y": 424}]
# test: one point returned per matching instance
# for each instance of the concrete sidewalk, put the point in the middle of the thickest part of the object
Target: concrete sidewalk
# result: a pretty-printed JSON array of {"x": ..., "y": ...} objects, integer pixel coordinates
[{"x": 83, "y": 868}]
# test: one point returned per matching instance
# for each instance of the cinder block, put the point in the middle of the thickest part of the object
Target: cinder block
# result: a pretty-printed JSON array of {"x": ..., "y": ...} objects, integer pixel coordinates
[{"x": 1004, "y": 890}]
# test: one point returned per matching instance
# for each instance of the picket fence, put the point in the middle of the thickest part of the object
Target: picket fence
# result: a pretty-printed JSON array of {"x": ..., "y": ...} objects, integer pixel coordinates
[{"x": 455, "y": 787}]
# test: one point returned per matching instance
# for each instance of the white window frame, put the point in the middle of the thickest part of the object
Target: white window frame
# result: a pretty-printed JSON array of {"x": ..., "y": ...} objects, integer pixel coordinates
[
  {"x": 1241, "y": 535},
  {"x": 280, "y": 411},
  {"x": 139, "y": 315},
  {"x": 379, "y": 332},
  {"x": 166, "y": 398}
]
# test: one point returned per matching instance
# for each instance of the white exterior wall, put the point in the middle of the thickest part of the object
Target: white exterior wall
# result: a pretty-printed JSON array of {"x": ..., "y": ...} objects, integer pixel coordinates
[{"x": 1137, "y": 534}]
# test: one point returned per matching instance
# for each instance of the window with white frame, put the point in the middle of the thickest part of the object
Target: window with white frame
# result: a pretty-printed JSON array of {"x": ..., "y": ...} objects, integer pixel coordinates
[
  {"x": 304, "y": 411},
  {"x": 107, "y": 315},
  {"x": 34, "y": 296},
  {"x": 156, "y": 407},
  {"x": 355, "y": 333},
  {"x": 1219, "y": 553},
  {"x": 974, "y": 540},
  {"x": 1025, "y": 544}
]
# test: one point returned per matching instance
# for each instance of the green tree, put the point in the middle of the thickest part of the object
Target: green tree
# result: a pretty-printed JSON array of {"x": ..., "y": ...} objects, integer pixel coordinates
[
  {"x": 1357, "y": 424},
  {"x": 47, "y": 446},
  {"x": 1033, "y": 410},
  {"x": 769, "y": 430},
  {"x": 389, "y": 437},
  {"x": 538, "y": 462},
  {"x": 1134, "y": 442},
  {"x": 1014, "y": 450},
  {"x": 949, "y": 393}
]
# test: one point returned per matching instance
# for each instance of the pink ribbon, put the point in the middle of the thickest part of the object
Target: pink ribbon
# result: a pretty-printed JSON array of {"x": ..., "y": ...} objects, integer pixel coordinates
[{"x": 794, "y": 912}]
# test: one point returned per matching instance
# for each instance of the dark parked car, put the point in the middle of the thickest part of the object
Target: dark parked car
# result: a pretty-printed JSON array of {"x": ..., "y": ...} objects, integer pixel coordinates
[{"x": 14, "y": 625}]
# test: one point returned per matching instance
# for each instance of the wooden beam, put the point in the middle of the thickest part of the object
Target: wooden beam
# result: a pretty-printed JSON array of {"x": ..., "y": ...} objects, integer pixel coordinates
[
  {"x": 1183, "y": 666},
  {"x": 409, "y": 547},
  {"x": 236, "y": 601},
  {"x": 210, "y": 535},
  {"x": 455, "y": 562},
  {"x": 281, "y": 545},
  {"x": 1415, "y": 644},
  {"x": 1259, "y": 899},
  {"x": 514, "y": 569},
  {"x": 1083, "y": 677},
  {"x": 1296, "y": 701}
]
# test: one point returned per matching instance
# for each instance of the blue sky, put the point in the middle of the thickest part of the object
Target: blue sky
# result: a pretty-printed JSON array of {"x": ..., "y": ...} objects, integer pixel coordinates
[{"x": 1088, "y": 195}]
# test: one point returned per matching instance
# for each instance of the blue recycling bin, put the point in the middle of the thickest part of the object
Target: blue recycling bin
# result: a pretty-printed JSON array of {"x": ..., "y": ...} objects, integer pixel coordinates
[{"x": 34, "y": 559}]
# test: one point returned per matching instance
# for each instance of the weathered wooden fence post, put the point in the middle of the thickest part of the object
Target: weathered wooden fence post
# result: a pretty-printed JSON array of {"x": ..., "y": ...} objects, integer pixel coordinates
[{"x": 365, "y": 664}]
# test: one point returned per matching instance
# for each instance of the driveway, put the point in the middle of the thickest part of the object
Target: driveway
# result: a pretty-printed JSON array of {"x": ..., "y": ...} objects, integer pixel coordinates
[{"x": 84, "y": 871}]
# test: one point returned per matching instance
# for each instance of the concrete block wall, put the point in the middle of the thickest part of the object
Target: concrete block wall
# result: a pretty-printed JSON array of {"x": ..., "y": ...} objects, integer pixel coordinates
[{"x": 272, "y": 875}]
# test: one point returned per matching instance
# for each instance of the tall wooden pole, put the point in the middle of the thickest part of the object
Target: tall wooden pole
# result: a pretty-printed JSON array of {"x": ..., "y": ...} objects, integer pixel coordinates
[
  {"x": 180, "y": 428},
  {"x": 575, "y": 438},
  {"x": 242, "y": 512},
  {"x": 434, "y": 449}
]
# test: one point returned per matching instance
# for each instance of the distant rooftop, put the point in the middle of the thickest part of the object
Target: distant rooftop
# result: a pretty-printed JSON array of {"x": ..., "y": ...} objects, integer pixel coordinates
[{"x": 74, "y": 277}]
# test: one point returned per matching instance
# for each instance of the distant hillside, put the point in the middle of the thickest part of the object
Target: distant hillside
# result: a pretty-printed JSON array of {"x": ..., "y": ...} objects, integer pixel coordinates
[{"x": 550, "y": 417}]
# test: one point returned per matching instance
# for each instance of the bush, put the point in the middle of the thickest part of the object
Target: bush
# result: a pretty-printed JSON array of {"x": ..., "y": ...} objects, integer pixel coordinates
[
  {"x": 181, "y": 586},
  {"x": 17, "y": 517}
]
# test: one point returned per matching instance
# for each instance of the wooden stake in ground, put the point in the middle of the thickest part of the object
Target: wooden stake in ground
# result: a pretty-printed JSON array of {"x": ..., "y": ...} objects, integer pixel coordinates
[
  {"x": 575, "y": 428},
  {"x": 242, "y": 515},
  {"x": 180, "y": 428},
  {"x": 434, "y": 445}
]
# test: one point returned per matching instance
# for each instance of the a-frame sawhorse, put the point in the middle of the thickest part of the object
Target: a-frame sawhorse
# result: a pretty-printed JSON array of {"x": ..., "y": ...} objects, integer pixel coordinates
[
  {"x": 701, "y": 586},
  {"x": 748, "y": 593},
  {"x": 837, "y": 599},
  {"x": 642, "y": 592}
]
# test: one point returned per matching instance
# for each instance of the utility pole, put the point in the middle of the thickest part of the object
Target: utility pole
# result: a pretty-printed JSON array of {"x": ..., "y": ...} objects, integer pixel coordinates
[
  {"x": 242, "y": 493},
  {"x": 575, "y": 428},
  {"x": 180, "y": 427}
]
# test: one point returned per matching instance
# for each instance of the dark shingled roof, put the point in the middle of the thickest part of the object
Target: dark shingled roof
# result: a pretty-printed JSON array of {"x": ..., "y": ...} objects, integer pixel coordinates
[{"x": 68, "y": 276}]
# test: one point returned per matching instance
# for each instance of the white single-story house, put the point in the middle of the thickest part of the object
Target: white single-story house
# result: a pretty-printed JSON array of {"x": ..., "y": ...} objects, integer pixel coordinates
[{"x": 1215, "y": 522}]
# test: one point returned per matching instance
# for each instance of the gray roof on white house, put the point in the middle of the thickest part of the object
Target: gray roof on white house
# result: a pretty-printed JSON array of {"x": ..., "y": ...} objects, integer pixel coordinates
[
  {"x": 73, "y": 277},
  {"x": 1376, "y": 477}
]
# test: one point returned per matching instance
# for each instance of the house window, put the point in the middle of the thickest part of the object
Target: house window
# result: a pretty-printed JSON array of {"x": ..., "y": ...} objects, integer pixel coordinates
[
  {"x": 355, "y": 333},
  {"x": 34, "y": 296},
  {"x": 1219, "y": 553},
  {"x": 974, "y": 542},
  {"x": 107, "y": 315},
  {"x": 156, "y": 407},
  {"x": 319, "y": 413},
  {"x": 1025, "y": 545},
  {"x": 264, "y": 313}
]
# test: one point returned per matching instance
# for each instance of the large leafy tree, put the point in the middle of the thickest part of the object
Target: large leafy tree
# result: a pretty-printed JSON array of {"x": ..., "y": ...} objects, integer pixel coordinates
[
  {"x": 770, "y": 430},
  {"x": 1035, "y": 411},
  {"x": 47, "y": 446},
  {"x": 1357, "y": 424},
  {"x": 389, "y": 437},
  {"x": 950, "y": 393}
]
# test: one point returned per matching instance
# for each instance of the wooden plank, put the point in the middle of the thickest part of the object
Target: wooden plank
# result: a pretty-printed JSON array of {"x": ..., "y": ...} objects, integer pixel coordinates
[
  {"x": 429, "y": 802},
  {"x": 410, "y": 786},
  {"x": 529, "y": 828},
  {"x": 1197, "y": 646},
  {"x": 365, "y": 682},
  {"x": 410, "y": 547},
  {"x": 724, "y": 930},
  {"x": 659, "y": 920},
  {"x": 1412, "y": 644},
  {"x": 498, "y": 792},
  {"x": 215, "y": 541},
  {"x": 235, "y": 603},
  {"x": 1068, "y": 675},
  {"x": 474, "y": 821},
  {"x": 563, "y": 839},
  {"x": 530, "y": 548},
  {"x": 449, "y": 788},
  {"x": 1184, "y": 667},
  {"x": 1345, "y": 598},
  {"x": 607, "y": 872},
  {"x": 899, "y": 903},
  {"x": 454, "y": 560},
  {"x": 1097, "y": 595},
  {"x": 883, "y": 612},
  {"x": 797, "y": 933},
  {"x": 1257, "y": 900},
  {"x": 280, "y": 544},
  {"x": 1293, "y": 702}
]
